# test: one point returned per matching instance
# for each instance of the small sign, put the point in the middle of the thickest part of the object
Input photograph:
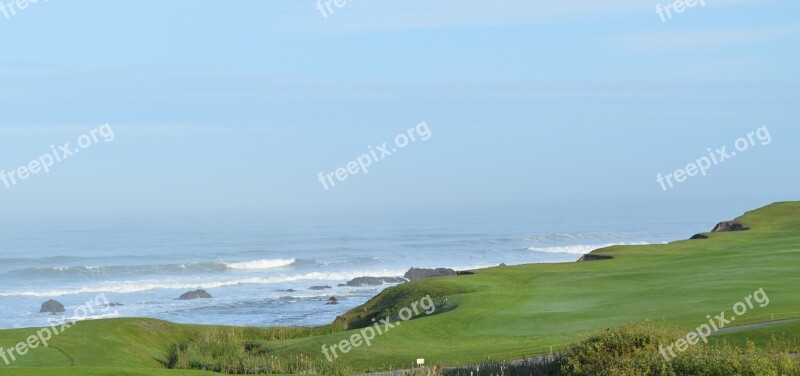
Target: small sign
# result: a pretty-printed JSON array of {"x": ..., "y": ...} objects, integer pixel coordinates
[{"x": 420, "y": 362}]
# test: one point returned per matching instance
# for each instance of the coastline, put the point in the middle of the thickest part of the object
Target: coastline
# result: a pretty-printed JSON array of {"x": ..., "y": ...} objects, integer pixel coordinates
[
  {"x": 298, "y": 289},
  {"x": 513, "y": 312},
  {"x": 248, "y": 269}
]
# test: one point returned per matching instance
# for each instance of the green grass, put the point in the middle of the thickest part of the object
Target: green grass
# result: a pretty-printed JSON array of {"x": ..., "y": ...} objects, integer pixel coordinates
[
  {"x": 100, "y": 371},
  {"x": 509, "y": 312},
  {"x": 136, "y": 346},
  {"x": 123, "y": 342}
]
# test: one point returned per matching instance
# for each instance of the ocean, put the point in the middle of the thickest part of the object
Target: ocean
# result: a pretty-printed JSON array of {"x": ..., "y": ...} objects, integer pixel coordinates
[{"x": 259, "y": 267}]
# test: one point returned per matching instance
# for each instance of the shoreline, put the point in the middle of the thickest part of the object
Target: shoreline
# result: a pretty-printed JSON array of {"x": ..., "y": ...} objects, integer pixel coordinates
[
  {"x": 316, "y": 286},
  {"x": 457, "y": 272}
]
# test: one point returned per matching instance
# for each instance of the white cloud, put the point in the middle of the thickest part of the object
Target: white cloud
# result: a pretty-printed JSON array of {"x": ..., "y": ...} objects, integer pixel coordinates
[
  {"x": 693, "y": 39},
  {"x": 359, "y": 15},
  {"x": 132, "y": 130}
]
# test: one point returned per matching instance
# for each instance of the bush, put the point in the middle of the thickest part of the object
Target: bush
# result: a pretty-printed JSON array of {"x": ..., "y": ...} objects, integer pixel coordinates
[
  {"x": 633, "y": 350},
  {"x": 627, "y": 350},
  {"x": 238, "y": 351}
]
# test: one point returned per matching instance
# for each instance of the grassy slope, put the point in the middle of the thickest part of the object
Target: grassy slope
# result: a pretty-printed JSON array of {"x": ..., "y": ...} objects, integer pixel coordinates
[
  {"x": 518, "y": 310},
  {"x": 508, "y": 312},
  {"x": 135, "y": 344},
  {"x": 100, "y": 371}
]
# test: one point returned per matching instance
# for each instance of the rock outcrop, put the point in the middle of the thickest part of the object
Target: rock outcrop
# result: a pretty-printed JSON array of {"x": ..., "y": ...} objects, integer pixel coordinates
[
  {"x": 729, "y": 226},
  {"x": 196, "y": 294},
  {"x": 319, "y": 288},
  {"x": 52, "y": 306},
  {"x": 414, "y": 274},
  {"x": 373, "y": 281},
  {"x": 591, "y": 257}
]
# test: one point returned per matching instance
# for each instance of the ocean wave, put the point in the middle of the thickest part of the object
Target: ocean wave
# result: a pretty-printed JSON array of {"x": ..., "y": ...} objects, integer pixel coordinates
[
  {"x": 21, "y": 260},
  {"x": 101, "y": 316},
  {"x": 577, "y": 236},
  {"x": 127, "y": 287},
  {"x": 578, "y": 249},
  {"x": 260, "y": 264},
  {"x": 138, "y": 270}
]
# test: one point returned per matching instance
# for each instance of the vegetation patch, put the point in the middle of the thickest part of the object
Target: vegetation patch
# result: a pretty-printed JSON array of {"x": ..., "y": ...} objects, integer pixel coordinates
[
  {"x": 634, "y": 350},
  {"x": 390, "y": 301},
  {"x": 239, "y": 351}
]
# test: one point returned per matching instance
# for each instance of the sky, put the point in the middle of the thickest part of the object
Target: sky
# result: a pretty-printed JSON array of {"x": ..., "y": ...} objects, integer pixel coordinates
[{"x": 241, "y": 105}]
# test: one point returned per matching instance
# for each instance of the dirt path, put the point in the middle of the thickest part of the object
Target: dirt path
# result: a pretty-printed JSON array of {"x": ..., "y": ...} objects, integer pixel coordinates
[{"x": 756, "y": 325}]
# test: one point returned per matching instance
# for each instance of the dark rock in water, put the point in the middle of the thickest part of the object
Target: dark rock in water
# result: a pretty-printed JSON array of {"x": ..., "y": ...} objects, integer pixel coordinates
[
  {"x": 111, "y": 305},
  {"x": 591, "y": 257},
  {"x": 374, "y": 281},
  {"x": 319, "y": 287},
  {"x": 289, "y": 290},
  {"x": 332, "y": 300},
  {"x": 729, "y": 226},
  {"x": 698, "y": 236},
  {"x": 52, "y": 306},
  {"x": 196, "y": 294},
  {"x": 414, "y": 274},
  {"x": 341, "y": 285}
]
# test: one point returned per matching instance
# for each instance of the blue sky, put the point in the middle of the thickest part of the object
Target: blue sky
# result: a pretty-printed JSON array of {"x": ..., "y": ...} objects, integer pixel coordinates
[{"x": 238, "y": 105}]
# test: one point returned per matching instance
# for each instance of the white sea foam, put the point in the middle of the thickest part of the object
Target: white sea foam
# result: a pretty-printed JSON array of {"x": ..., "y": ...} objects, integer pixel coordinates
[
  {"x": 109, "y": 315},
  {"x": 208, "y": 266},
  {"x": 578, "y": 236},
  {"x": 260, "y": 264},
  {"x": 577, "y": 249},
  {"x": 139, "y": 286}
]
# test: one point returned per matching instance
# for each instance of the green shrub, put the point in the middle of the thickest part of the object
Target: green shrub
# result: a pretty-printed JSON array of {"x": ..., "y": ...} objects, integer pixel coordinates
[
  {"x": 627, "y": 350},
  {"x": 238, "y": 351},
  {"x": 630, "y": 349},
  {"x": 633, "y": 350}
]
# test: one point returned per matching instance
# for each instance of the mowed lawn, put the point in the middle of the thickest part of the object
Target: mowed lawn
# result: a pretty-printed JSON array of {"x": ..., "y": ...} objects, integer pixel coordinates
[
  {"x": 125, "y": 347},
  {"x": 130, "y": 346},
  {"x": 507, "y": 312}
]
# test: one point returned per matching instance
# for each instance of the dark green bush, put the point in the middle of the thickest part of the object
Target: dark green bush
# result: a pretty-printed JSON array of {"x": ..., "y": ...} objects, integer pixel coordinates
[{"x": 633, "y": 350}]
